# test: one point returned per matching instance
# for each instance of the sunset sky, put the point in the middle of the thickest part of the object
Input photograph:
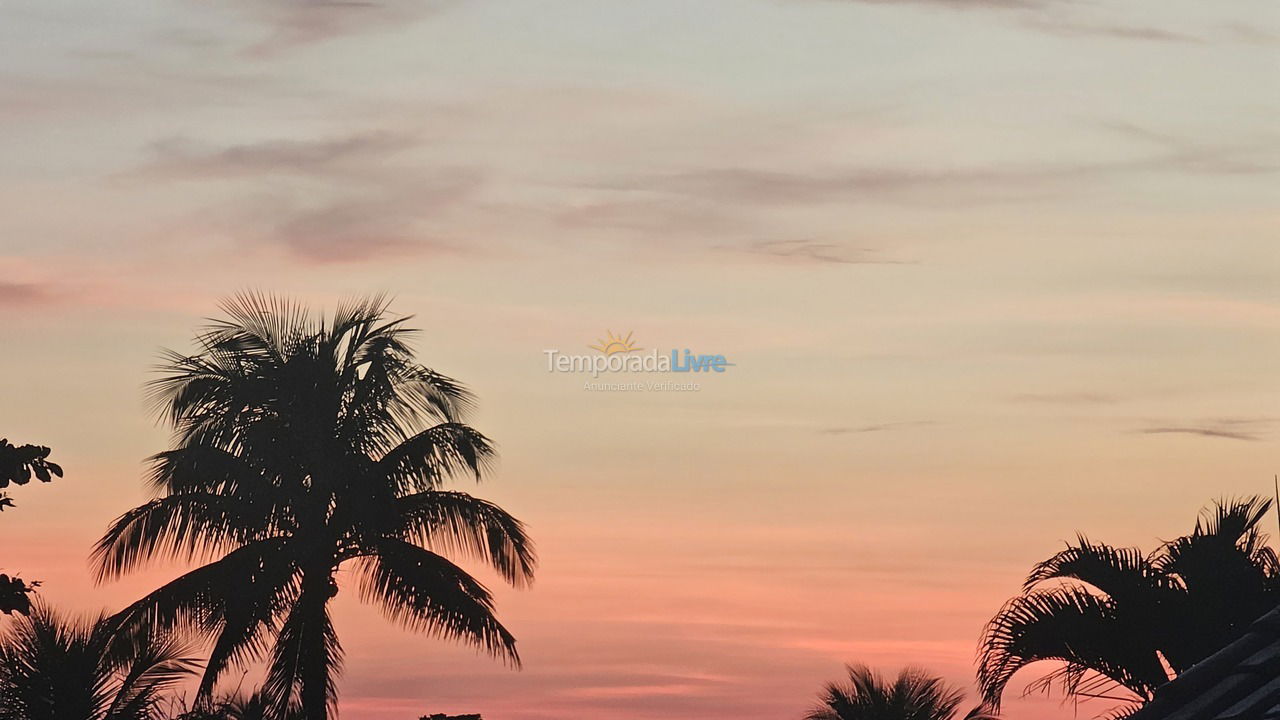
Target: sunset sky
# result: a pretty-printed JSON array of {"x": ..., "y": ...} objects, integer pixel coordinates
[{"x": 989, "y": 271}]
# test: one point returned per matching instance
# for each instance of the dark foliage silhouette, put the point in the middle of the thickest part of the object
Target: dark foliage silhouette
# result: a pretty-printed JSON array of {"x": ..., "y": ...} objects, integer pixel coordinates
[
  {"x": 1121, "y": 622},
  {"x": 301, "y": 446},
  {"x": 58, "y": 668},
  {"x": 236, "y": 707},
  {"x": 15, "y": 594},
  {"x": 912, "y": 695},
  {"x": 17, "y": 464}
]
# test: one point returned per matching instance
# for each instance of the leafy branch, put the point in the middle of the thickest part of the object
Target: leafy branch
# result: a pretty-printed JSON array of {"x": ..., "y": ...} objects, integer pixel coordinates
[{"x": 17, "y": 464}]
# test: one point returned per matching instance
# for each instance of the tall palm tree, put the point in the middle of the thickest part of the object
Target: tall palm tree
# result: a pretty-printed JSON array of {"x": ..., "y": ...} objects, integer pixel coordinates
[
  {"x": 303, "y": 446},
  {"x": 58, "y": 668},
  {"x": 1121, "y": 623},
  {"x": 913, "y": 695}
]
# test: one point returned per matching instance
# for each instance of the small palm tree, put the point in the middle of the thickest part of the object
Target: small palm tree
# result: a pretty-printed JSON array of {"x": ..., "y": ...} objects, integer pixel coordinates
[
  {"x": 913, "y": 695},
  {"x": 304, "y": 446},
  {"x": 57, "y": 668},
  {"x": 236, "y": 707},
  {"x": 1121, "y": 623}
]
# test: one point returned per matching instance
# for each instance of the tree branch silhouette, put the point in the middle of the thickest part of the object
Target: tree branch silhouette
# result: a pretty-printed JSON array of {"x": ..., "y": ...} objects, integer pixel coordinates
[{"x": 17, "y": 464}]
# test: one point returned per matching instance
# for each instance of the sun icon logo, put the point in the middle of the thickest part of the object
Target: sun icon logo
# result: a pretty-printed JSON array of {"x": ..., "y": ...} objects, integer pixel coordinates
[{"x": 611, "y": 344}]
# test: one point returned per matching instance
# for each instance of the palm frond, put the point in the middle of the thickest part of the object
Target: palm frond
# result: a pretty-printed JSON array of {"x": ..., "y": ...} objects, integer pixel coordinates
[
  {"x": 307, "y": 652},
  {"x": 260, "y": 574},
  {"x": 1229, "y": 531},
  {"x": 425, "y": 460},
  {"x": 203, "y": 468},
  {"x": 912, "y": 695},
  {"x": 429, "y": 594},
  {"x": 271, "y": 325},
  {"x": 250, "y": 616},
  {"x": 1123, "y": 711},
  {"x": 54, "y": 667},
  {"x": 158, "y": 663},
  {"x": 455, "y": 522},
  {"x": 190, "y": 526},
  {"x": 1228, "y": 575},
  {"x": 1117, "y": 572},
  {"x": 1071, "y": 625}
]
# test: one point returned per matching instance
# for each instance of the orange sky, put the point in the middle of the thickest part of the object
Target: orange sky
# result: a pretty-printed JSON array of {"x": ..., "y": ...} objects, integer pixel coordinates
[{"x": 990, "y": 273}]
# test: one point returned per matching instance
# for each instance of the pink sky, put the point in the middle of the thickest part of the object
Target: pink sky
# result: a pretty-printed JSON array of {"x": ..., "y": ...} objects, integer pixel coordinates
[{"x": 990, "y": 274}]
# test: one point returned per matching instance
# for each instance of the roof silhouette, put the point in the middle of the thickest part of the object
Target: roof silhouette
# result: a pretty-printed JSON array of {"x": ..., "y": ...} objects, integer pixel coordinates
[{"x": 1239, "y": 682}]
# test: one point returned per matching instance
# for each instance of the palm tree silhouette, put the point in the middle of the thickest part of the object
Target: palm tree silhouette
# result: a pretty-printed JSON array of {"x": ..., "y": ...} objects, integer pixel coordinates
[
  {"x": 1122, "y": 622},
  {"x": 58, "y": 668},
  {"x": 913, "y": 695},
  {"x": 237, "y": 707},
  {"x": 302, "y": 446}
]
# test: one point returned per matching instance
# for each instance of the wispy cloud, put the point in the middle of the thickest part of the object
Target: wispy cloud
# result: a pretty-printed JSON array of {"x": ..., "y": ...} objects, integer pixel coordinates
[
  {"x": 183, "y": 157},
  {"x": 389, "y": 222},
  {"x": 349, "y": 233},
  {"x": 1065, "y": 398},
  {"x": 118, "y": 84},
  {"x": 993, "y": 183},
  {"x": 20, "y": 294},
  {"x": 290, "y": 23},
  {"x": 965, "y": 4},
  {"x": 750, "y": 185},
  {"x": 1180, "y": 154},
  {"x": 1120, "y": 31},
  {"x": 1206, "y": 432},
  {"x": 1247, "y": 429},
  {"x": 664, "y": 216},
  {"x": 878, "y": 427},
  {"x": 1049, "y": 17},
  {"x": 1251, "y": 34},
  {"x": 335, "y": 199},
  {"x": 810, "y": 251}
]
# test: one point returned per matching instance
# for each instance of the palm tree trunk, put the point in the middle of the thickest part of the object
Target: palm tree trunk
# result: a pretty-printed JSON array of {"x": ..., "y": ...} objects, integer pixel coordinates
[{"x": 318, "y": 646}]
